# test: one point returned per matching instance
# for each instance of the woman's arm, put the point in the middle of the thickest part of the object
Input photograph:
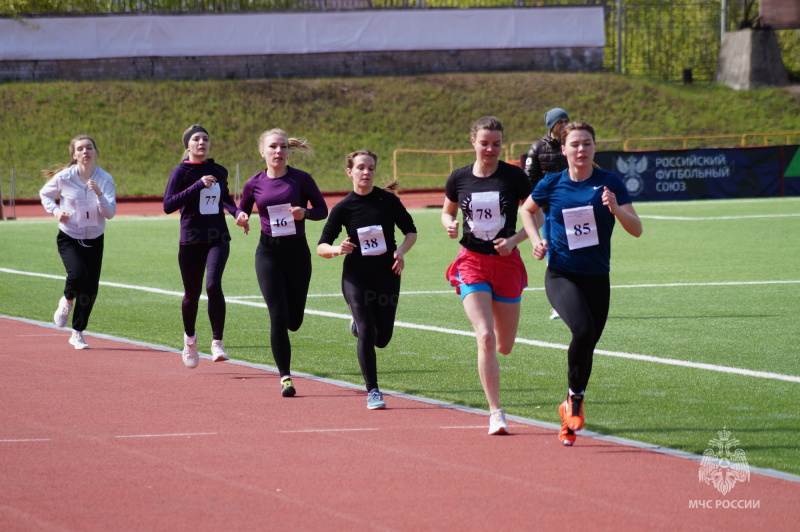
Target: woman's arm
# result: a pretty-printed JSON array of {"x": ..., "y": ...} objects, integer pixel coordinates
[{"x": 449, "y": 221}]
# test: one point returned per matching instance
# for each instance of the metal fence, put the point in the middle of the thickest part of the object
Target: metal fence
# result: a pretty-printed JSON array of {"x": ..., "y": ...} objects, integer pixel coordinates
[{"x": 644, "y": 38}]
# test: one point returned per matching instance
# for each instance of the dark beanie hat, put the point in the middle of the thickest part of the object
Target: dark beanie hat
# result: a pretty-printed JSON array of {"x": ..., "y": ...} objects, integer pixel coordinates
[
  {"x": 191, "y": 131},
  {"x": 554, "y": 115}
]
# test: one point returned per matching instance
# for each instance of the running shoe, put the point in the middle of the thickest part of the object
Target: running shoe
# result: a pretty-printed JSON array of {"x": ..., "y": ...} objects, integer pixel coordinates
[
  {"x": 287, "y": 387},
  {"x": 566, "y": 435},
  {"x": 77, "y": 340},
  {"x": 62, "y": 312},
  {"x": 554, "y": 315},
  {"x": 353, "y": 328},
  {"x": 190, "y": 357},
  {"x": 375, "y": 400},
  {"x": 573, "y": 412},
  {"x": 218, "y": 353},
  {"x": 497, "y": 422}
]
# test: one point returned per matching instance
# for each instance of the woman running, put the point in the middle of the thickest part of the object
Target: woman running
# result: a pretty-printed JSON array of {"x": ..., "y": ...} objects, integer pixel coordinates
[
  {"x": 584, "y": 203},
  {"x": 283, "y": 260},
  {"x": 488, "y": 271},
  {"x": 374, "y": 262},
  {"x": 87, "y": 200},
  {"x": 199, "y": 188}
]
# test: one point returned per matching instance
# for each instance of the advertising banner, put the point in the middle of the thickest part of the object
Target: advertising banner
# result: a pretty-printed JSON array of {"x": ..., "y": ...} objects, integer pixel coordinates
[{"x": 718, "y": 173}]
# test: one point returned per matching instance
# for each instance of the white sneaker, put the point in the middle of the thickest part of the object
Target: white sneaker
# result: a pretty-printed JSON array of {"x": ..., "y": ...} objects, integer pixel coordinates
[
  {"x": 497, "y": 422},
  {"x": 77, "y": 340},
  {"x": 218, "y": 353},
  {"x": 190, "y": 357},
  {"x": 554, "y": 315},
  {"x": 62, "y": 312}
]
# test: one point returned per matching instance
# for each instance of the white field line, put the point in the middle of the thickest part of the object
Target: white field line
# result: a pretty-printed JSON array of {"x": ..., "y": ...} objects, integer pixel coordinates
[
  {"x": 706, "y": 218},
  {"x": 537, "y": 343},
  {"x": 169, "y": 435}
]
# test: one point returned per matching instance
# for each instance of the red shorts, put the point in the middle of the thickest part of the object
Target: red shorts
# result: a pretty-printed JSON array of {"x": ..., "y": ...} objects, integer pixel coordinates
[{"x": 503, "y": 276}]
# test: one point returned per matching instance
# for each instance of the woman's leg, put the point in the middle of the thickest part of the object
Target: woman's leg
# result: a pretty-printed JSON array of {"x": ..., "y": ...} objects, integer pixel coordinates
[
  {"x": 192, "y": 262},
  {"x": 479, "y": 308},
  {"x": 356, "y": 293},
  {"x": 506, "y": 324},
  {"x": 272, "y": 282},
  {"x": 217, "y": 259}
]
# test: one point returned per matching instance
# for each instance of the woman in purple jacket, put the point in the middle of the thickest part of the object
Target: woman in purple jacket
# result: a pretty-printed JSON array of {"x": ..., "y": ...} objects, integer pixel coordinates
[
  {"x": 283, "y": 261},
  {"x": 199, "y": 188}
]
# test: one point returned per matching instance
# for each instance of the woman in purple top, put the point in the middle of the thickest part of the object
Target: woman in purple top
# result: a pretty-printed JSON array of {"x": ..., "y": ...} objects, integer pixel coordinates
[
  {"x": 199, "y": 188},
  {"x": 283, "y": 261}
]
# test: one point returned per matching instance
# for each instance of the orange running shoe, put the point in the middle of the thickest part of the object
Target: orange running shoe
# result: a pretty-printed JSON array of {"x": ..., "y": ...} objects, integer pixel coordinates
[
  {"x": 571, "y": 412},
  {"x": 567, "y": 436}
]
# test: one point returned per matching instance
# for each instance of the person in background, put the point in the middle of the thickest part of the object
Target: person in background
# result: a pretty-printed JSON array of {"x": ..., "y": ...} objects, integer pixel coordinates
[
  {"x": 584, "y": 202},
  {"x": 283, "y": 260},
  {"x": 488, "y": 271},
  {"x": 87, "y": 200},
  {"x": 545, "y": 157},
  {"x": 373, "y": 262},
  {"x": 199, "y": 188}
]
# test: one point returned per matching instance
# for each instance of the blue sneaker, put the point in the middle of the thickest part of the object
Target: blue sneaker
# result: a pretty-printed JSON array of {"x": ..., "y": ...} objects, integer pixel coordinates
[{"x": 375, "y": 400}]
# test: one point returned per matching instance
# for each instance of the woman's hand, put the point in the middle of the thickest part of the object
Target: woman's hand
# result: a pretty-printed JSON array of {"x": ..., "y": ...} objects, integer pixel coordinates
[
  {"x": 502, "y": 246},
  {"x": 452, "y": 229},
  {"x": 540, "y": 250},
  {"x": 208, "y": 180},
  {"x": 94, "y": 187},
  {"x": 346, "y": 247},
  {"x": 298, "y": 213},
  {"x": 243, "y": 221},
  {"x": 63, "y": 216},
  {"x": 399, "y": 262}
]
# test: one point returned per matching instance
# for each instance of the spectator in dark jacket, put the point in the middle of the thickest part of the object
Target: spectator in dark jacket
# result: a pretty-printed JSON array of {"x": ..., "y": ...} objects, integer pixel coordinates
[{"x": 545, "y": 157}]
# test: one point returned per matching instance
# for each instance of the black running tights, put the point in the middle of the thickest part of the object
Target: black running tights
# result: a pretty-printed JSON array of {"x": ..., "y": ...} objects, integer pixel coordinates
[
  {"x": 194, "y": 261},
  {"x": 373, "y": 301},
  {"x": 283, "y": 269},
  {"x": 582, "y": 301}
]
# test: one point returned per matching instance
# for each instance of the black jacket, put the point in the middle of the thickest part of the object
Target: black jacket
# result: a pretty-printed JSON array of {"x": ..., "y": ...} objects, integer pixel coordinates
[{"x": 544, "y": 157}]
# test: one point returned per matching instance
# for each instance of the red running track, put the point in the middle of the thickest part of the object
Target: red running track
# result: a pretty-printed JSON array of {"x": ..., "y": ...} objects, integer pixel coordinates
[{"x": 124, "y": 437}]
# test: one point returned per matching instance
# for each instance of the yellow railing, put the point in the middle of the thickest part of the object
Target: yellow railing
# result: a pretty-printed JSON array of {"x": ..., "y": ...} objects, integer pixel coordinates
[
  {"x": 601, "y": 143},
  {"x": 448, "y": 153},
  {"x": 707, "y": 141}
]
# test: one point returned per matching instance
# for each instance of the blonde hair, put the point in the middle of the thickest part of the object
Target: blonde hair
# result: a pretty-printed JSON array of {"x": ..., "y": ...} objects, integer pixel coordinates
[
  {"x": 295, "y": 145},
  {"x": 51, "y": 172}
]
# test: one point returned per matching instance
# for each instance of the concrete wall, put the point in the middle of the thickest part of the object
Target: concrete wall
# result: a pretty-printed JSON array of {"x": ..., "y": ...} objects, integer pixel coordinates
[
  {"x": 750, "y": 59},
  {"x": 306, "y": 65}
]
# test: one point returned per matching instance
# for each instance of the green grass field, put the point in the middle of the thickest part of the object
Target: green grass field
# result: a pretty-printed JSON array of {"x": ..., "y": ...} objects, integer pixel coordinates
[{"x": 711, "y": 282}]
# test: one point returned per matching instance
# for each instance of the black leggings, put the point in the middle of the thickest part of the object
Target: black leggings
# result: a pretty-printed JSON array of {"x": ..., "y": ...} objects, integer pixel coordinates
[
  {"x": 194, "y": 260},
  {"x": 83, "y": 260},
  {"x": 582, "y": 302},
  {"x": 283, "y": 269},
  {"x": 372, "y": 298}
]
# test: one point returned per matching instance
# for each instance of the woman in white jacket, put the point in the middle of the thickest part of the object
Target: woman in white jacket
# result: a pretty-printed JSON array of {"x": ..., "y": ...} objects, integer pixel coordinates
[{"x": 87, "y": 200}]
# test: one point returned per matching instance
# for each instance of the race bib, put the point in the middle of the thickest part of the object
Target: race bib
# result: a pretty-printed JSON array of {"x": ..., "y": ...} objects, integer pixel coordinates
[
  {"x": 209, "y": 199},
  {"x": 281, "y": 220},
  {"x": 86, "y": 211},
  {"x": 581, "y": 227},
  {"x": 372, "y": 240},
  {"x": 486, "y": 219}
]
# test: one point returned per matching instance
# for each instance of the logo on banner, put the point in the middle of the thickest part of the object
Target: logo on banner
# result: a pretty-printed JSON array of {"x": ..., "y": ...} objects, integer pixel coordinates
[
  {"x": 724, "y": 464},
  {"x": 632, "y": 168}
]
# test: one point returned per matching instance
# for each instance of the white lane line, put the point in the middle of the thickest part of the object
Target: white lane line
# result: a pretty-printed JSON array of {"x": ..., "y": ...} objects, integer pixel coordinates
[
  {"x": 537, "y": 343},
  {"x": 168, "y": 435},
  {"x": 25, "y": 440},
  {"x": 324, "y": 430}
]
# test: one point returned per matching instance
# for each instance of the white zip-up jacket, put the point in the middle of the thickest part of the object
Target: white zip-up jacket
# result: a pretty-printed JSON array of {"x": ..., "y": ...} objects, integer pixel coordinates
[{"x": 68, "y": 185}]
